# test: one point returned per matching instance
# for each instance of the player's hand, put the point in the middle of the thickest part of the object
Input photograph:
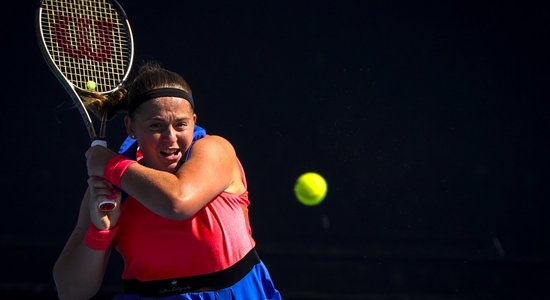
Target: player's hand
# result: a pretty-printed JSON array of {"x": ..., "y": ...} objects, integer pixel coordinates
[
  {"x": 97, "y": 158},
  {"x": 100, "y": 190}
]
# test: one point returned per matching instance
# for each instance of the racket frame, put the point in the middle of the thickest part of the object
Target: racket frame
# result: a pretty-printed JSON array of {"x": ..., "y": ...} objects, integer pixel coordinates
[
  {"x": 96, "y": 138},
  {"x": 75, "y": 91}
]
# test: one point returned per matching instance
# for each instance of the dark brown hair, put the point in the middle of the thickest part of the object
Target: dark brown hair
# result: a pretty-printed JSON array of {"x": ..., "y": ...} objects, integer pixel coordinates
[{"x": 150, "y": 76}]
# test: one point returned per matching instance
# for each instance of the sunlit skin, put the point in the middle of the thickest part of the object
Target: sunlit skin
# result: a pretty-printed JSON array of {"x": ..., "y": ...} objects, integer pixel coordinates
[
  {"x": 161, "y": 182},
  {"x": 164, "y": 181},
  {"x": 163, "y": 128}
]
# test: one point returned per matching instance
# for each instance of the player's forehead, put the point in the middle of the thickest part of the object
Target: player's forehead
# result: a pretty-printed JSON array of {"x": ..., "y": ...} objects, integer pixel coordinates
[{"x": 166, "y": 107}]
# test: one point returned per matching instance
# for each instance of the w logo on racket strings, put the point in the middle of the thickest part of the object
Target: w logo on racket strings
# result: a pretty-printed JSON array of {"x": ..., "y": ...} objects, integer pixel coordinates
[{"x": 73, "y": 34}]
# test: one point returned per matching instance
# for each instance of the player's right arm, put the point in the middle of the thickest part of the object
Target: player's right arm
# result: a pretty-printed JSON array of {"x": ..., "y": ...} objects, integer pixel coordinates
[{"x": 79, "y": 270}]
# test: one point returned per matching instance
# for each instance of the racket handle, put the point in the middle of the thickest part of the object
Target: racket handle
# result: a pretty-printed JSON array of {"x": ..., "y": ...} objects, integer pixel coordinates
[
  {"x": 107, "y": 204},
  {"x": 99, "y": 142}
]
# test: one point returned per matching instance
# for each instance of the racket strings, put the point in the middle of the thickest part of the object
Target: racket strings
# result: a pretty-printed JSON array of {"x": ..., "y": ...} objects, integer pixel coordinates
[{"x": 88, "y": 41}]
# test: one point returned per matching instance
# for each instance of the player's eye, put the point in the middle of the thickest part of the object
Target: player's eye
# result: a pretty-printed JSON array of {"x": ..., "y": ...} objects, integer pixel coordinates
[
  {"x": 180, "y": 125},
  {"x": 155, "y": 126}
]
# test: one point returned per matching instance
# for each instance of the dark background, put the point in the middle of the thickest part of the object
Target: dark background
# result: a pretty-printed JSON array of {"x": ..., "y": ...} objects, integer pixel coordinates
[{"x": 429, "y": 121}]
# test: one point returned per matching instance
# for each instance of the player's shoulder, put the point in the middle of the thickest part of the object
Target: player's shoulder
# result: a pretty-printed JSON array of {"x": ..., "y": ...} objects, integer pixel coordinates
[
  {"x": 214, "y": 143},
  {"x": 214, "y": 139}
]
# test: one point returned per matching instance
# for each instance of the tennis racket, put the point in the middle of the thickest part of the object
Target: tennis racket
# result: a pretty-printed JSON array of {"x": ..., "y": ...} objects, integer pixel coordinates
[{"x": 88, "y": 45}]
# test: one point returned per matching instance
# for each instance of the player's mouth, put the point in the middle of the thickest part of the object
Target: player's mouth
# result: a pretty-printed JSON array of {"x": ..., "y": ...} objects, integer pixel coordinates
[{"x": 171, "y": 154}]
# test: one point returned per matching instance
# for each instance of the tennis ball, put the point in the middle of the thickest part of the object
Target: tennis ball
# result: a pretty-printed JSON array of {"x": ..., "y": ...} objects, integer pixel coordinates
[
  {"x": 310, "y": 188},
  {"x": 91, "y": 85}
]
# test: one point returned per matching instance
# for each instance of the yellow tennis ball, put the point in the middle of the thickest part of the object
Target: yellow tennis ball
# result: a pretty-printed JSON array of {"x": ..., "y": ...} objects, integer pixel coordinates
[
  {"x": 310, "y": 188},
  {"x": 91, "y": 85}
]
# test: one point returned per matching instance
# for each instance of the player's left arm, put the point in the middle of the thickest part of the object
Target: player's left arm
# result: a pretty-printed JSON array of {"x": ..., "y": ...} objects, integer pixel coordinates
[{"x": 209, "y": 170}]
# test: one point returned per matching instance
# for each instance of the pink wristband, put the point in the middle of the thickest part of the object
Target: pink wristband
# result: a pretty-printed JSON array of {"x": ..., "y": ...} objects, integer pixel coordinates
[
  {"x": 115, "y": 168},
  {"x": 99, "y": 239}
]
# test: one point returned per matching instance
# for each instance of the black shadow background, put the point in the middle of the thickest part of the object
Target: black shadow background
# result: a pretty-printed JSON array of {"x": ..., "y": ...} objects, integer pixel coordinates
[{"x": 428, "y": 119}]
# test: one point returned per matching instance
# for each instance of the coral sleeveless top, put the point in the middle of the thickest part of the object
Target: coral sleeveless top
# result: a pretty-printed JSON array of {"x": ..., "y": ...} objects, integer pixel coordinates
[{"x": 154, "y": 247}]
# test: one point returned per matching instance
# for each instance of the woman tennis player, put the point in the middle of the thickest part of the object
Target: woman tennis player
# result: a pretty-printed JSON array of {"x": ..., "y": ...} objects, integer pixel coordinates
[{"x": 181, "y": 219}]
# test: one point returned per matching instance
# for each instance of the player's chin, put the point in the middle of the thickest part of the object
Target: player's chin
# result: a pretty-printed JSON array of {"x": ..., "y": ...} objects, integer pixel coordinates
[{"x": 171, "y": 163}]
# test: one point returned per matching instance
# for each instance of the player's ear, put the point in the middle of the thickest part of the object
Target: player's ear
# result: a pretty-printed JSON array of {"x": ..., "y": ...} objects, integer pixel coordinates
[{"x": 128, "y": 125}]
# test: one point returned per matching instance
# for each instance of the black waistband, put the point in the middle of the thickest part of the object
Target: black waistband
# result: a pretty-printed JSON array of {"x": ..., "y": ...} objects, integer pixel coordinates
[{"x": 201, "y": 283}]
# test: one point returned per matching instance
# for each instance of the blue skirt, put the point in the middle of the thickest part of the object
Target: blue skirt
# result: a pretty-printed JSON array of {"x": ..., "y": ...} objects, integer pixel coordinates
[{"x": 256, "y": 285}]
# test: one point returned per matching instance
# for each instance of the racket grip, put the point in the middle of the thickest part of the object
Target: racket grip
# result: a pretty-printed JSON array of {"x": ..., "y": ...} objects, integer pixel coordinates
[
  {"x": 107, "y": 204},
  {"x": 99, "y": 142}
]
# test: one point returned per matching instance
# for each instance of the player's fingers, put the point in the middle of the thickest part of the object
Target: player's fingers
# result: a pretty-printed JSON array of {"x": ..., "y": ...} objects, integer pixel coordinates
[
  {"x": 115, "y": 193},
  {"x": 96, "y": 181},
  {"x": 103, "y": 193},
  {"x": 100, "y": 188}
]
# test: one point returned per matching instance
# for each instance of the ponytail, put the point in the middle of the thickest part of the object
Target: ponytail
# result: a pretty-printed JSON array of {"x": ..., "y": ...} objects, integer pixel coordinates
[{"x": 114, "y": 102}]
